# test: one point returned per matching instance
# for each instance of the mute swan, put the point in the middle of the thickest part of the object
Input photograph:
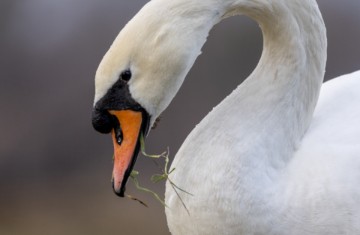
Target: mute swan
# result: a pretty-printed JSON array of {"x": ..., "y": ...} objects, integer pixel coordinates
[{"x": 263, "y": 161}]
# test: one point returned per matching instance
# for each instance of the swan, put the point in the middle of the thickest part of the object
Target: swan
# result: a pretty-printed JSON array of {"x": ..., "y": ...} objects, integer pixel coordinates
[{"x": 279, "y": 155}]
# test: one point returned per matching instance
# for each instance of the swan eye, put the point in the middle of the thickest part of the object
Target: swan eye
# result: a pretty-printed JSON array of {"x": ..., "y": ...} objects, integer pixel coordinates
[{"x": 125, "y": 75}]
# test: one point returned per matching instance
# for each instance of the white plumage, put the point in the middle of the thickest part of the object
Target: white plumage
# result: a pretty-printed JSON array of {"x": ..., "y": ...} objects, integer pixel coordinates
[{"x": 262, "y": 161}]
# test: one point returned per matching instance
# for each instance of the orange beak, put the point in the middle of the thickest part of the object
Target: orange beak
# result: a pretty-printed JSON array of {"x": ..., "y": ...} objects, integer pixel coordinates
[{"x": 126, "y": 146}]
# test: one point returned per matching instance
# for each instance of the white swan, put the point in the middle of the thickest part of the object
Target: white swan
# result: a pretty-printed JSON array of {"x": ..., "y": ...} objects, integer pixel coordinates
[{"x": 261, "y": 162}]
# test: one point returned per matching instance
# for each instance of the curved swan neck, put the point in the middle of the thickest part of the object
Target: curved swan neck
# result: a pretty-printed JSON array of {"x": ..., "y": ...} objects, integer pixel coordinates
[
  {"x": 286, "y": 82},
  {"x": 275, "y": 104},
  {"x": 294, "y": 53},
  {"x": 280, "y": 95}
]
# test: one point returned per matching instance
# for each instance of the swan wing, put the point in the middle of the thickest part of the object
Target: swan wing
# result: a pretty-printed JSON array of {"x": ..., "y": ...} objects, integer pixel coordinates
[
  {"x": 336, "y": 122},
  {"x": 333, "y": 138},
  {"x": 322, "y": 178}
]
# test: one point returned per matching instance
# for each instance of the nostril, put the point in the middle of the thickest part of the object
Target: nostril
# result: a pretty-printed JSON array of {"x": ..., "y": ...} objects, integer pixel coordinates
[
  {"x": 118, "y": 131},
  {"x": 102, "y": 121}
]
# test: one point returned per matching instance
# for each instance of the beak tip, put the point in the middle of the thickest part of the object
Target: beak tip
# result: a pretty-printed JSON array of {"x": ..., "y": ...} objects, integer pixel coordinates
[{"x": 118, "y": 191}]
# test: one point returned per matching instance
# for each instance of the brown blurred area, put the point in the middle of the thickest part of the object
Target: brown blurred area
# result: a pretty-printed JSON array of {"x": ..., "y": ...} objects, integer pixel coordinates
[{"x": 54, "y": 168}]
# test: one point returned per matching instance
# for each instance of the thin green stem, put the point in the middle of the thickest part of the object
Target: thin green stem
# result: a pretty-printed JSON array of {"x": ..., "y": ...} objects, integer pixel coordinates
[{"x": 157, "y": 177}]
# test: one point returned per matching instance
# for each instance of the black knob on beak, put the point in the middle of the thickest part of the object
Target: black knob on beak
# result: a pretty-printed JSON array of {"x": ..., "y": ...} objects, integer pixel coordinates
[{"x": 102, "y": 121}]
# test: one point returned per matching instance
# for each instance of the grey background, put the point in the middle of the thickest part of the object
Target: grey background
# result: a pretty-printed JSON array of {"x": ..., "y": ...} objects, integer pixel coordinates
[{"x": 54, "y": 168}]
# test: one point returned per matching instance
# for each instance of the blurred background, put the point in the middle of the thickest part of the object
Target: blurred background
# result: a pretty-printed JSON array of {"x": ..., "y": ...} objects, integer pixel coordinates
[{"x": 54, "y": 168}]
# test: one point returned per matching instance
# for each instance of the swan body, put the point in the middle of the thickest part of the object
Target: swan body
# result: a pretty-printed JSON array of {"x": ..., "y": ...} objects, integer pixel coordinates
[
  {"x": 277, "y": 156},
  {"x": 314, "y": 192}
]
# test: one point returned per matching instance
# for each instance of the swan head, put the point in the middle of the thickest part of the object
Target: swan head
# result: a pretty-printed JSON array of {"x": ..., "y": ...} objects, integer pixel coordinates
[{"x": 137, "y": 79}]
